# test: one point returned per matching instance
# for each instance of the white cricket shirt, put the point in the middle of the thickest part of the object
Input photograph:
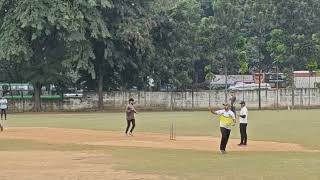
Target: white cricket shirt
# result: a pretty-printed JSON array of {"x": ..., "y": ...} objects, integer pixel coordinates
[
  {"x": 243, "y": 111},
  {"x": 3, "y": 104}
]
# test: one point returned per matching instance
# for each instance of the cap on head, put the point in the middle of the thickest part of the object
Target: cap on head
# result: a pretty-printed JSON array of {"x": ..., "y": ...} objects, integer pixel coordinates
[
  {"x": 243, "y": 102},
  {"x": 226, "y": 105},
  {"x": 131, "y": 100}
]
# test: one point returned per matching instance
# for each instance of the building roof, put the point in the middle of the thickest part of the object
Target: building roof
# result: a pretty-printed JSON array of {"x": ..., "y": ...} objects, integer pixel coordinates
[
  {"x": 232, "y": 79},
  {"x": 306, "y": 73}
]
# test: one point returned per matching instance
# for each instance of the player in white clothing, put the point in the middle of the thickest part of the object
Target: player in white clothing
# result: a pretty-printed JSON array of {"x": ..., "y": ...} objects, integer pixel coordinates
[
  {"x": 243, "y": 118},
  {"x": 3, "y": 109}
]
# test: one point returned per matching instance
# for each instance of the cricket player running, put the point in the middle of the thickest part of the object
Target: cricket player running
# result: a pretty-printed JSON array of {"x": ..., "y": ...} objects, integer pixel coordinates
[
  {"x": 227, "y": 120},
  {"x": 130, "y": 111}
]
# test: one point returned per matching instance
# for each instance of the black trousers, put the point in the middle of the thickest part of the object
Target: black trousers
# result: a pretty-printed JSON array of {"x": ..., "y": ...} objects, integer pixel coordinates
[
  {"x": 225, "y": 133},
  {"x": 243, "y": 132},
  {"x": 129, "y": 122},
  {"x": 4, "y": 111},
  {"x": 233, "y": 109}
]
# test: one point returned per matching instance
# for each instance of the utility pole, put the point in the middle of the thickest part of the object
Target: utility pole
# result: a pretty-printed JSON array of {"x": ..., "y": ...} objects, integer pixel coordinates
[
  {"x": 226, "y": 80},
  {"x": 277, "y": 85}
]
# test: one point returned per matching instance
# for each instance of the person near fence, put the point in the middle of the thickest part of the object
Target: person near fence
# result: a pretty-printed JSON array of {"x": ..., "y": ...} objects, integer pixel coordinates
[
  {"x": 243, "y": 118},
  {"x": 233, "y": 99},
  {"x": 227, "y": 120},
  {"x": 3, "y": 108},
  {"x": 130, "y": 113}
]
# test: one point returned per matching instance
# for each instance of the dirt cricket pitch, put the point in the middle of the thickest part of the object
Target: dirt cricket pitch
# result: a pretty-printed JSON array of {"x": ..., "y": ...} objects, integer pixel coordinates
[
  {"x": 92, "y": 165},
  {"x": 93, "y": 147}
]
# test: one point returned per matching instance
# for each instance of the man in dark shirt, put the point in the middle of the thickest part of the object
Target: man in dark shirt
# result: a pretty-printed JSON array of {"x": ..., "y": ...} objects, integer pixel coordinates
[
  {"x": 233, "y": 99},
  {"x": 130, "y": 111}
]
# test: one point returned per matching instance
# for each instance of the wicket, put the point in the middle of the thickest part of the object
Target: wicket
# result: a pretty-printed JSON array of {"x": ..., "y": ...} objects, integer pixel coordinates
[{"x": 172, "y": 132}]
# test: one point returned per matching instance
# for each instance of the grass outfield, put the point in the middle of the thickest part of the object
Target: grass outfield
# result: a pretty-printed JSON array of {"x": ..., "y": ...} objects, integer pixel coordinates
[
  {"x": 301, "y": 127},
  {"x": 194, "y": 165}
]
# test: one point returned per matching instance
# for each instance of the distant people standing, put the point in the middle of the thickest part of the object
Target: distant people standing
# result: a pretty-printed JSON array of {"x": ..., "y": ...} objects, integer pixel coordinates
[
  {"x": 130, "y": 111},
  {"x": 243, "y": 123},
  {"x": 3, "y": 108},
  {"x": 233, "y": 99}
]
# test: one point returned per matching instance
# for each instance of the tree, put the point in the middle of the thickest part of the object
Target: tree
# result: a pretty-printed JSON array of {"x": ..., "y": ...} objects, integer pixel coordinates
[
  {"x": 278, "y": 51},
  {"x": 38, "y": 34},
  {"x": 210, "y": 78},
  {"x": 225, "y": 25},
  {"x": 258, "y": 25},
  {"x": 11, "y": 71},
  {"x": 92, "y": 47},
  {"x": 209, "y": 74},
  {"x": 244, "y": 67},
  {"x": 116, "y": 47},
  {"x": 133, "y": 51},
  {"x": 176, "y": 44}
]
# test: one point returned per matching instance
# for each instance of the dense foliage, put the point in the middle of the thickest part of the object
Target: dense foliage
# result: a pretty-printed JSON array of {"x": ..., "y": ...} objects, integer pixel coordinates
[{"x": 178, "y": 44}]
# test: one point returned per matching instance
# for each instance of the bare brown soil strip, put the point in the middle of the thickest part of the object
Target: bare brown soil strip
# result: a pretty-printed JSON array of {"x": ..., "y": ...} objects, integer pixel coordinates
[
  {"x": 150, "y": 140},
  {"x": 52, "y": 165}
]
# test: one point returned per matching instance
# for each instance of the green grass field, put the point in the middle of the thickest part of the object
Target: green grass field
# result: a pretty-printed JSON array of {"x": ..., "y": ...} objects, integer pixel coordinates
[{"x": 300, "y": 127}]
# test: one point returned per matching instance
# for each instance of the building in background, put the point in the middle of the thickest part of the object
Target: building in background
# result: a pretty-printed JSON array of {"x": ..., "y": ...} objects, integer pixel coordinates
[
  {"x": 276, "y": 80},
  {"x": 219, "y": 81},
  {"x": 306, "y": 79}
]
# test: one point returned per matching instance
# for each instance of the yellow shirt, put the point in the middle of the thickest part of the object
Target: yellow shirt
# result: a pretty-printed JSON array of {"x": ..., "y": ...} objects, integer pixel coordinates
[{"x": 226, "y": 118}]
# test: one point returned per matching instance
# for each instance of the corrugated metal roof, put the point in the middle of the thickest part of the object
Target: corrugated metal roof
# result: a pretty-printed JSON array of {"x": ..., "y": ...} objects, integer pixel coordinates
[{"x": 220, "y": 79}]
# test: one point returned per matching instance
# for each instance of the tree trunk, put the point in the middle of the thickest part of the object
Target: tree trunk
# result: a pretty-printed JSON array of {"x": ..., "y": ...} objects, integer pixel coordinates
[
  {"x": 100, "y": 89},
  {"x": 37, "y": 99}
]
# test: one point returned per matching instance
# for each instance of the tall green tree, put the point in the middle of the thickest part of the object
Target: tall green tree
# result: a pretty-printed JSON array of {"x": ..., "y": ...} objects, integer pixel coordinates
[
  {"x": 133, "y": 51},
  {"x": 257, "y": 26},
  {"x": 277, "y": 46},
  {"x": 92, "y": 46},
  {"x": 297, "y": 19},
  {"x": 221, "y": 33},
  {"x": 117, "y": 45},
  {"x": 244, "y": 67},
  {"x": 176, "y": 45},
  {"x": 38, "y": 34}
]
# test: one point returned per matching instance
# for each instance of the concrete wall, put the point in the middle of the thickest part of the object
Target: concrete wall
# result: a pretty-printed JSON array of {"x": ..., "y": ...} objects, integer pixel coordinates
[
  {"x": 174, "y": 100},
  {"x": 303, "y": 82}
]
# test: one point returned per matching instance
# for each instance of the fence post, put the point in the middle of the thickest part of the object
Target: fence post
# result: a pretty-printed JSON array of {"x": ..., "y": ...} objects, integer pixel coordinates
[
  {"x": 171, "y": 100},
  {"x": 292, "y": 97},
  {"x": 266, "y": 97},
  {"x": 192, "y": 99},
  {"x": 301, "y": 98}
]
